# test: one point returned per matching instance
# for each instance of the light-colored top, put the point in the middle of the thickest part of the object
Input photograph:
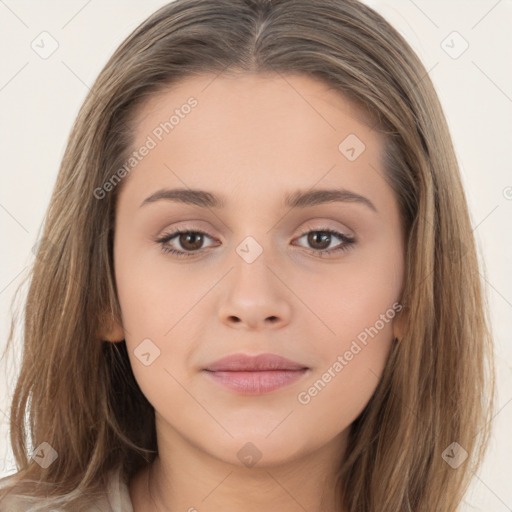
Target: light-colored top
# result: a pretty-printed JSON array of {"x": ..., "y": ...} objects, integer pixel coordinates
[{"x": 117, "y": 499}]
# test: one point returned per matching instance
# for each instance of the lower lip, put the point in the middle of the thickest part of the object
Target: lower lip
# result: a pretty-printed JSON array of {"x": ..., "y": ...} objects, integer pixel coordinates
[{"x": 258, "y": 382}]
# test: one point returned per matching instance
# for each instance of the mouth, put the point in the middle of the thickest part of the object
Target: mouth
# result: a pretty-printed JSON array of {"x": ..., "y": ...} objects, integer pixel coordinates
[{"x": 255, "y": 375}]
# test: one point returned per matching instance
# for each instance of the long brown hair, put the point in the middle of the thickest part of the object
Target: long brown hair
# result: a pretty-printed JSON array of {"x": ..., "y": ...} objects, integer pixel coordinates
[{"x": 79, "y": 393}]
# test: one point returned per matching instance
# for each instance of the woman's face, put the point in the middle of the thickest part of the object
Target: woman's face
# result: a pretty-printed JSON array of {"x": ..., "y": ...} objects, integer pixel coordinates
[{"x": 239, "y": 164}]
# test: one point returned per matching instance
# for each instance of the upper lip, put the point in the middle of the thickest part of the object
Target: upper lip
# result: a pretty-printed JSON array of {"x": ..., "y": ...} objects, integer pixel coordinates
[{"x": 261, "y": 362}]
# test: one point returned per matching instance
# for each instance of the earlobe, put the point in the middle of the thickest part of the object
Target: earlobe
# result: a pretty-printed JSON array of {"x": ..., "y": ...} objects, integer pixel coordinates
[
  {"x": 399, "y": 325},
  {"x": 111, "y": 330}
]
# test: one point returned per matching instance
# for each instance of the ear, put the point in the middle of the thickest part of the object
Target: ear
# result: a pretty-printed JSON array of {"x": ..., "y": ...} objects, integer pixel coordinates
[
  {"x": 111, "y": 329},
  {"x": 399, "y": 323}
]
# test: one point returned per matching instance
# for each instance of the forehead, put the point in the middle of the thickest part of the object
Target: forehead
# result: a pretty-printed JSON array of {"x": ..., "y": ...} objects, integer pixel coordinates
[
  {"x": 257, "y": 94},
  {"x": 260, "y": 130}
]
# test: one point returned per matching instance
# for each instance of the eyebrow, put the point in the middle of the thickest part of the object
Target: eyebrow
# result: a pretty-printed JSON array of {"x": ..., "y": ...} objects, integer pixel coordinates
[{"x": 299, "y": 199}]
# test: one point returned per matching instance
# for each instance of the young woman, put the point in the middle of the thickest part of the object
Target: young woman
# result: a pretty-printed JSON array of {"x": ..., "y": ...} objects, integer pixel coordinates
[{"x": 257, "y": 285}]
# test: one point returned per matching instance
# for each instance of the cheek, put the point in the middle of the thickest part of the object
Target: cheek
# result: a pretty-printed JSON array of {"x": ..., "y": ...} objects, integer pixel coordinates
[
  {"x": 157, "y": 314},
  {"x": 152, "y": 302},
  {"x": 339, "y": 392},
  {"x": 356, "y": 307},
  {"x": 358, "y": 296},
  {"x": 151, "y": 292}
]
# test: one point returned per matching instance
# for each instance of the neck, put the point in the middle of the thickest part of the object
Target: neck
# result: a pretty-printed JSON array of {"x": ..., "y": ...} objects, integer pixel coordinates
[{"x": 193, "y": 481}]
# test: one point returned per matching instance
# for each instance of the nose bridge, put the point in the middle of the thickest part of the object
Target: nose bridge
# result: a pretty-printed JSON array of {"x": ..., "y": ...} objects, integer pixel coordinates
[
  {"x": 256, "y": 240},
  {"x": 256, "y": 254},
  {"x": 254, "y": 295},
  {"x": 253, "y": 261}
]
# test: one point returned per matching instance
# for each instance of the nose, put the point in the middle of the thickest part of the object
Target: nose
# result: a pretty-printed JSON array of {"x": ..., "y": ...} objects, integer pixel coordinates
[{"x": 255, "y": 298}]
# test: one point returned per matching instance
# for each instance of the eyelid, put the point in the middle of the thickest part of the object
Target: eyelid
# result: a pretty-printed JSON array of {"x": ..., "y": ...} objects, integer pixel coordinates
[
  {"x": 323, "y": 225},
  {"x": 310, "y": 226},
  {"x": 346, "y": 242}
]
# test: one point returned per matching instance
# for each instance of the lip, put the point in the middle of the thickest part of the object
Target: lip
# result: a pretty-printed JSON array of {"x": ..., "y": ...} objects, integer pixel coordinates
[
  {"x": 261, "y": 362},
  {"x": 254, "y": 375}
]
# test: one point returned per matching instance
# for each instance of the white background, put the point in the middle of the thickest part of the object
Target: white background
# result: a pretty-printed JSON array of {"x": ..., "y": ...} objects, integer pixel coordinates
[{"x": 39, "y": 99}]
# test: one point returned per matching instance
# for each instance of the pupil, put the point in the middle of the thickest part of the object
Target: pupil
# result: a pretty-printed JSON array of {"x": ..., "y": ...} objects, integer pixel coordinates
[
  {"x": 312, "y": 238},
  {"x": 186, "y": 243}
]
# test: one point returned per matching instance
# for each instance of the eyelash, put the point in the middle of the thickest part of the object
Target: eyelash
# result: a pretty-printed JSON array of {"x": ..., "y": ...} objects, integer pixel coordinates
[{"x": 348, "y": 242}]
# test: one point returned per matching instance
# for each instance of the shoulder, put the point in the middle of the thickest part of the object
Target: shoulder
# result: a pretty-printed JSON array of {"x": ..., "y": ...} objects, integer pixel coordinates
[
  {"x": 118, "y": 495},
  {"x": 115, "y": 499}
]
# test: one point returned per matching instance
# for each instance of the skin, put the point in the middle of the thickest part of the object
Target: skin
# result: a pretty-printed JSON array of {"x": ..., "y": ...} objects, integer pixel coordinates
[{"x": 253, "y": 139}]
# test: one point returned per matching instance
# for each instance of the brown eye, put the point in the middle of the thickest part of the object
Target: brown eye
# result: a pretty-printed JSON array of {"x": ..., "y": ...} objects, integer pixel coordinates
[
  {"x": 319, "y": 239},
  {"x": 191, "y": 241},
  {"x": 183, "y": 242}
]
